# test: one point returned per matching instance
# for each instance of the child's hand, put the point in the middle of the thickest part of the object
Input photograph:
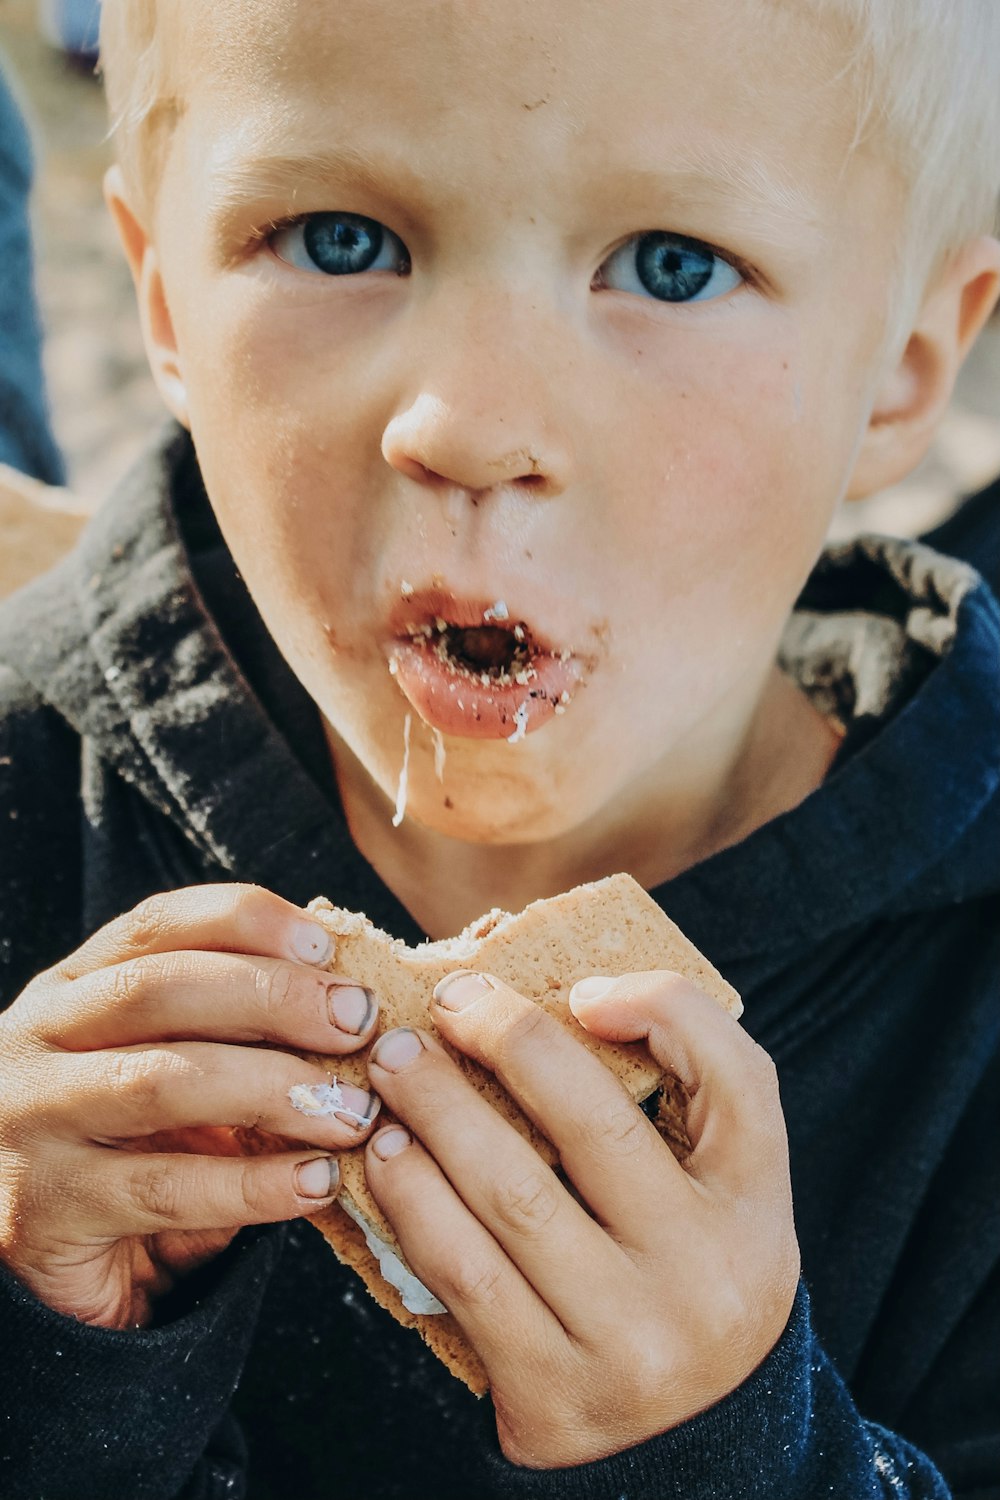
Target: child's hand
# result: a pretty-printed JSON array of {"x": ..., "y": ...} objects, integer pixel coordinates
[
  {"x": 137, "y": 1035},
  {"x": 598, "y": 1328}
]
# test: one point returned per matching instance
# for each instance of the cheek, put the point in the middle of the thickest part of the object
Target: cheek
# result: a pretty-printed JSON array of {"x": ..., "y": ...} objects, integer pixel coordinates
[
  {"x": 286, "y": 446},
  {"x": 732, "y": 489}
]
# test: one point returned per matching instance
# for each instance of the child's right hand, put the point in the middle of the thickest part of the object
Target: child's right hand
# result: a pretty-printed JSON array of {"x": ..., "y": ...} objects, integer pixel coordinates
[{"x": 143, "y": 1032}]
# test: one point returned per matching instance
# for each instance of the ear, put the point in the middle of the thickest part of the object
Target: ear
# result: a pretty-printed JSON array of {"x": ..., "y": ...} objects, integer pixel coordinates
[
  {"x": 916, "y": 392},
  {"x": 154, "y": 314}
]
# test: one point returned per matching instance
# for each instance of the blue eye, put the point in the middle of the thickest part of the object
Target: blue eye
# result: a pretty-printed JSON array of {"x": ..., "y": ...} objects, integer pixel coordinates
[
  {"x": 669, "y": 268},
  {"x": 340, "y": 245}
]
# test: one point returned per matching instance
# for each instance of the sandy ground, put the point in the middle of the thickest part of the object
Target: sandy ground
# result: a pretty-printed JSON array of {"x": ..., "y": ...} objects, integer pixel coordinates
[{"x": 104, "y": 404}]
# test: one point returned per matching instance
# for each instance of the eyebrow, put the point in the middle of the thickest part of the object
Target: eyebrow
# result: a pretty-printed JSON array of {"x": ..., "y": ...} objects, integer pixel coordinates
[
  {"x": 714, "y": 181},
  {"x": 233, "y": 184}
]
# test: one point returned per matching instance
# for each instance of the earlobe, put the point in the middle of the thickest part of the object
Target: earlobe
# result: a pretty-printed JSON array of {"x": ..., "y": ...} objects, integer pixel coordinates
[
  {"x": 916, "y": 392},
  {"x": 154, "y": 314}
]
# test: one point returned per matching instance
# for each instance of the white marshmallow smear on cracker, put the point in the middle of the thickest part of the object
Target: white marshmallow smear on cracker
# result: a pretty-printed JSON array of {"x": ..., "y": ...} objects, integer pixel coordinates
[{"x": 416, "y": 1297}]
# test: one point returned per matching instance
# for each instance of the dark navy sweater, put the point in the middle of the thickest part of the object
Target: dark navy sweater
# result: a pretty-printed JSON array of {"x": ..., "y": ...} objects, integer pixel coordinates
[{"x": 151, "y": 737}]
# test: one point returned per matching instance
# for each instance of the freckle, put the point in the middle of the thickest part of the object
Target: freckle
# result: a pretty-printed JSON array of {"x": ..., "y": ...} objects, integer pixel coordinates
[{"x": 529, "y": 556}]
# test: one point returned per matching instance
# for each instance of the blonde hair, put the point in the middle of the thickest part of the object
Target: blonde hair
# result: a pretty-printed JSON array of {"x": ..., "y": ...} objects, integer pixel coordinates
[{"x": 927, "y": 76}]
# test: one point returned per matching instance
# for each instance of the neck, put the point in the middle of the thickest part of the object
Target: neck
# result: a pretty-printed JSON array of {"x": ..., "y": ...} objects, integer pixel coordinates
[{"x": 668, "y": 825}]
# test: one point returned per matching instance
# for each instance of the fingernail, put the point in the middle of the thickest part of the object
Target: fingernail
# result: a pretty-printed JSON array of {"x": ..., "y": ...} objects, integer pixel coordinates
[
  {"x": 396, "y": 1049},
  {"x": 391, "y": 1142},
  {"x": 352, "y": 1007},
  {"x": 353, "y": 1106},
  {"x": 456, "y": 991},
  {"x": 589, "y": 989},
  {"x": 318, "y": 1178},
  {"x": 311, "y": 943}
]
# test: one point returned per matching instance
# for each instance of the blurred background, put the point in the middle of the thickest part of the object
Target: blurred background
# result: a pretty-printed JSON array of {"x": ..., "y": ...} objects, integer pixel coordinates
[{"x": 103, "y": 402}]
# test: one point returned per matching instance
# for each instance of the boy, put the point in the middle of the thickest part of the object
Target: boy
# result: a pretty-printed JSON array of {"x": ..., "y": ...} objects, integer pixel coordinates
[{"x": 526, "y": 351}]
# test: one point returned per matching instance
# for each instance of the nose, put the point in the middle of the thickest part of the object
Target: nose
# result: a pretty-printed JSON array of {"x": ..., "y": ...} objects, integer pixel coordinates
[{"x": 482, "y": 415}]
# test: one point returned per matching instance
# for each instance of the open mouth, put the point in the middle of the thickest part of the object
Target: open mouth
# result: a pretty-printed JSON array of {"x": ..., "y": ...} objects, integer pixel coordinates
[
  {"x": 473, "y": 670},
  {"x": 502, "y": 655}
]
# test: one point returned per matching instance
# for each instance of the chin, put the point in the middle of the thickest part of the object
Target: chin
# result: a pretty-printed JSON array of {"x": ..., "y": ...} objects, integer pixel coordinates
[{"x": 490, "y": 814}]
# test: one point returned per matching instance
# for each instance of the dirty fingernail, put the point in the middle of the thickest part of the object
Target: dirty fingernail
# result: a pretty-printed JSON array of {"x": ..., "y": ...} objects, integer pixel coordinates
[
  {"x": 352, "y": 1008},
  {"x": 590, "y": 989},
  {"x": 311, "y": 943},
  {"x": 318, "y": 1178},
  {"x": 396, "y": 1048},
  {"x": 391, "y": 1142},
  {"x": 352, "y": 1106},
  {"x": 456, "y": 991}
]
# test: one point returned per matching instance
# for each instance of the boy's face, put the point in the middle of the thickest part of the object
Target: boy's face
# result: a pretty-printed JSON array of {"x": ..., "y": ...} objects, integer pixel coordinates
[{"x": 546, "y": 390}]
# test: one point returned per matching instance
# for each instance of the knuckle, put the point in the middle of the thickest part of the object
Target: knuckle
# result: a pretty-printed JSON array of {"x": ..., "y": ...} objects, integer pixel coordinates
[
  {"x": 158, "y": 1192},
  {"x": 473, "y": 1285},
  {"x": 146, "y": 925},
  {"x": 646, "y": 1357},
  {"x": 277, "y": 986},
  {"x": 527, "y": 1029},
  {"x": 128, "y": 983},
  {"x": 618, "y": 1123},
  {"x": 256, "y": 1200},
  {"x": 244, "y": 905},
  {"x": 141, "y": 1080},
  {"x": 527, "y": 1200},
  {"x": 765, "y": 1069}
]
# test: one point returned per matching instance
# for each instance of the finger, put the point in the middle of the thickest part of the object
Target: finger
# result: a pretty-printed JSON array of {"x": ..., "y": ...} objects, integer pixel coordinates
[
  {"x": 608, "y": 1149},
  {"x": 191, "y": 994},
  {"x": 138, "y": 1194},
  {"x": 503, "y": 1181},
  {"x": 141, "y": 1090},
  {"x": 734, "y": 1118},
  {"x": 453, "y": 1254},
  {"x": 229, "y": 918}
]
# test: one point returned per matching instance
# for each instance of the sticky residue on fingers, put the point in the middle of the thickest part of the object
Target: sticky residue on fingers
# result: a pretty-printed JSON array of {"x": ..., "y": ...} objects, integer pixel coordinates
[{"x": 318, "y": 1099}]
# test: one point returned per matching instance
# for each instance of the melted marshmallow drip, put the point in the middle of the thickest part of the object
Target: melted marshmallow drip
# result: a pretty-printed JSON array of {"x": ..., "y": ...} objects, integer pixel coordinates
[
  {"x": 404, "y": 775},
  {"x": 439, "y": 753},
  {"x": 416, "y": 1297},
  {"x": 520, "y": 724}
]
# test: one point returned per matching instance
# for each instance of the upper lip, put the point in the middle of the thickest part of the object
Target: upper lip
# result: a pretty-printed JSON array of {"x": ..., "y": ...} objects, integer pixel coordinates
[{"x": 426, "y": 606}]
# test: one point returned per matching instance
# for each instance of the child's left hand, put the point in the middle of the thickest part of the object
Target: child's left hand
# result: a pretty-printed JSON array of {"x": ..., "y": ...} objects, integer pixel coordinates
[{"x": 597, "y": 1329}]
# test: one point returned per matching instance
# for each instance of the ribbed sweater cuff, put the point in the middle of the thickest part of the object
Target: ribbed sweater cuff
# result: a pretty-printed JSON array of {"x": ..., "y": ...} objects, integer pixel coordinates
[
  {"x": 750, "y": 1444},
  {"x": 89, "y": 1413}
]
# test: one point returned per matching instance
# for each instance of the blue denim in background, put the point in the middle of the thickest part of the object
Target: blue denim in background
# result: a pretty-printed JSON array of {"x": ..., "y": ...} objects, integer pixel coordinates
[
  {"x": 26, "y": 440},
  {"x": 73, "y": 25}
]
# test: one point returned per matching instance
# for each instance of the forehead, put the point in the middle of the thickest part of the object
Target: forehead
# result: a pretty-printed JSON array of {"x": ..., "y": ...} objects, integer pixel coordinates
[{"x": 557, "y": 78}]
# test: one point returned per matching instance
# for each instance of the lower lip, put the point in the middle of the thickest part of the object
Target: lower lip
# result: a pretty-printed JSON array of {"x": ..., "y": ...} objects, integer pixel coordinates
[{"x": 465, "y": 707}]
